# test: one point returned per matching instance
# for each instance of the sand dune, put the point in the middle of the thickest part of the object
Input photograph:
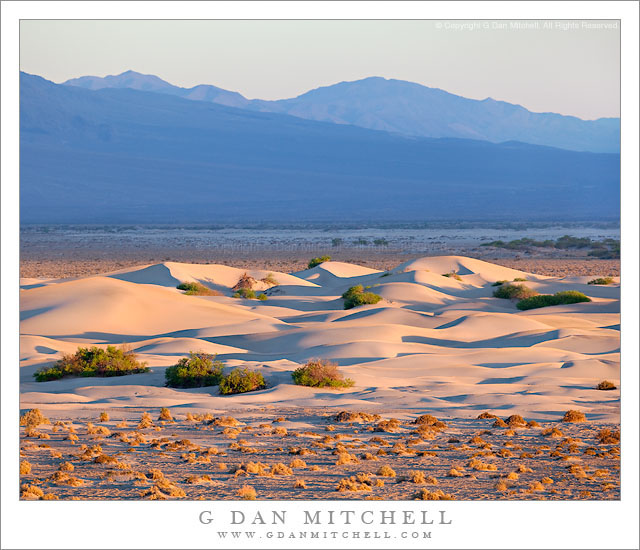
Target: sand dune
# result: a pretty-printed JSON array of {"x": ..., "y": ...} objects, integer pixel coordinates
[{"x": 433, "y": 343}]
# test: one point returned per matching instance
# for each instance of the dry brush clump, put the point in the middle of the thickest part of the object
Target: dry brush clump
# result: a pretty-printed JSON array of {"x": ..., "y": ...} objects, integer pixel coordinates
[
  {"x": 574, "y": 416},
  {"x": 606, "y": 385},
  {"x": 246, "y": 492},
  {"x": 425, "y": 494},
  {"x": 33, "y": 418},
  {"x": 351, "y": 416},
  {"x": 359, "y": 482},
  {"x": 386, "y": 471}
]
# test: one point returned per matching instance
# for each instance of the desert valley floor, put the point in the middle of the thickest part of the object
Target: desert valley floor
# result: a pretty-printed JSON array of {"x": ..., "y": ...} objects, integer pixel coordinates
[{"x": 436, "y": 345}]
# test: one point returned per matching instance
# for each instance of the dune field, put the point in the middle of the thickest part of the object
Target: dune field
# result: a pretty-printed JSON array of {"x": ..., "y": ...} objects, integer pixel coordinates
[{"x": 435, "y": 344}]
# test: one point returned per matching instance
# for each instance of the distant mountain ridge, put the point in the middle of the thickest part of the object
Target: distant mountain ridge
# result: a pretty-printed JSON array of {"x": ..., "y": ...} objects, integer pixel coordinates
[
  {"x": 152, "y": 83},
  {"x": 401, "y": 107},
  {"x": 128, "y": 156}
]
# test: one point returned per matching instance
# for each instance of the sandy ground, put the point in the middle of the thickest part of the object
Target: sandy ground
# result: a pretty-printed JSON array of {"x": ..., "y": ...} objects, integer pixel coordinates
[
  {"x": 434, "y": 345},
  {"x": 306, "y": 454}
]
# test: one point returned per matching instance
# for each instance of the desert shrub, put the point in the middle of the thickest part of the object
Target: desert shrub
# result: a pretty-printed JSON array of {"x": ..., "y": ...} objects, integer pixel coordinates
[
  {"x": 601, "y": 281},
  {"x": 498, "y": 283},
  {"x": 510, "y": 291},
  {"x": 519, "y": 279},
  {"x": 25, "y": 468},
  {"x": 607, "y": 437},
  {"x": 262, "y": 297},
  {"x": 197, "y": 289},
  {"x": 606, "y": 385},
  {"x": 165, "y": 414},
  {"x": 425, "y": 494},
  {"x": 245, "y": 281},
  {"x": 453, "y": 275},
  {"x": 355, "y": 416},
  {"x": 197, "y": 370},
  {"x": 559, "y": 298},
  {"x": 386, "y": 471},
  {"x": 574, "y": 416},
  {"x": 246, "y": 293},
  {"x": 93, "y": 362},
  {"x": 356, "y": 296},
  {"x": 104, "y": 417},
  {"x": 242, "y": 381},
  {"x": 320, "y": 373},
  {"x": 270, "y": 280},
  {"x": 426, "y": 420},
  {"x": 317, "y": 261},
  {"x": 33, "y": 418},
  {"x": 246, "y": 492}
]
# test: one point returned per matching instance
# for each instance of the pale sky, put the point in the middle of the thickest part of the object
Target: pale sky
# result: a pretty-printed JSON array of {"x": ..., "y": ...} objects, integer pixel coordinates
[{"x": 567, "y": 69}]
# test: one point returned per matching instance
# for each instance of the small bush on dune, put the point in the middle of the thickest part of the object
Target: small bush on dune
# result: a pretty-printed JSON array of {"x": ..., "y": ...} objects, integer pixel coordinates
[
  {"x": 104, "y": 417},
  {"x": 317, "y": 261},
  {"x": 262, "y": 297},
  {"x": 356, "y": 296},
  {"x": 197, "y": 370},
  {"x": 601, "y": 281},
  {"x": 197, "y": 289},
  {"x": 453, "y": 275},
  {"x": 245, "y": 293},
  {"x": 242, "y": 381},
  {"x": 246, "y": 281},
  {"x": 510, "y": 291},
  {"x": 165, "y": 414},
  {"x": 606, "y": 385},
  {"x": 93, "y": 362},
  {"x": 320, "y": 373},
  {"x": 270, "y": 280},
  {"x": 559, "y": 298}
]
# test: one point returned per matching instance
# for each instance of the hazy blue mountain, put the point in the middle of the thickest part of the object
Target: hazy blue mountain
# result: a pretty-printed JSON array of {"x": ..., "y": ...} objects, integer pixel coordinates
[
  {"x": 405, "y": 108},
  {"x": 412, "y": 109},
  {"x": 123, "y": 156},
  {"x": 151, "y": 83}
]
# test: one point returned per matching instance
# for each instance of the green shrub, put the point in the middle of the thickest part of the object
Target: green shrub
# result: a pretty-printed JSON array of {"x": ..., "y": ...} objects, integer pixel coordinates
[
  {"x": 197, "y": 370},
  {"x": 320, "y": 373},
  {"x": 247, "y": 293},
  {"x": 453, "y": 275},
  {"x": 356, "y": 296},
  {"x": 242, "y": 381},
  {"x": 196, "y": 289},
  {"x": 559, "y": 298},
  {"x": 510, "y": 291},
  {"x": 317, "y": 261},
  {"x": 93, "y": 362},
  {"x": 262, "y": 297},
  {"x": 498, "y": 283},
  {"x": 270, "y": 280},
  {"x": 519, "y": 279},
  {"x": 601, "y": 281}
]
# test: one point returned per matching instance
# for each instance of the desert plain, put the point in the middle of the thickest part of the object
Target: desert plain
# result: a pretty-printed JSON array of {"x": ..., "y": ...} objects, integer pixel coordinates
[{"x": 432, "y": 356}]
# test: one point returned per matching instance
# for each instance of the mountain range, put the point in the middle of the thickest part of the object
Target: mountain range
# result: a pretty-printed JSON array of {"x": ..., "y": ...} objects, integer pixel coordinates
[
  {"x": 401, "y": 107},
  {"x": 123, "y": 155}
]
